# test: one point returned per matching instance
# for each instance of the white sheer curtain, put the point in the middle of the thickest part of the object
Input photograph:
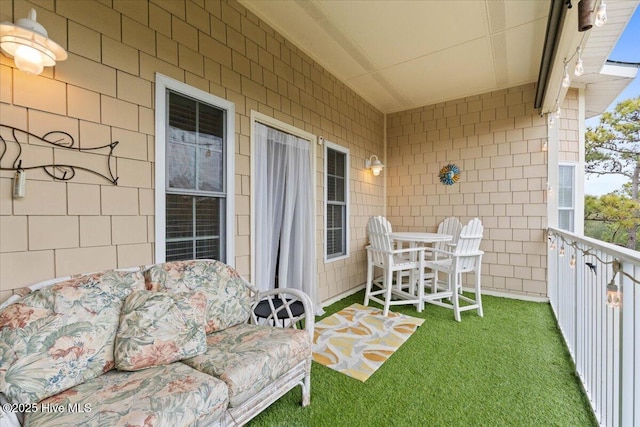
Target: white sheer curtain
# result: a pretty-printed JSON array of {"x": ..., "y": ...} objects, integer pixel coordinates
[{"x": 284, "y": 212}]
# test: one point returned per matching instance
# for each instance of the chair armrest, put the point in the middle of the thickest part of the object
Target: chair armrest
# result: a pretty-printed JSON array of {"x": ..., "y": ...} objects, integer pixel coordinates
[
  {"x": 435, "y": 252},
  {"x": 470, "y": 254},
  {"x": 283, "y": 312},
  {"x": 397, "y": 251},
  {"x": 453, "y": 254}
]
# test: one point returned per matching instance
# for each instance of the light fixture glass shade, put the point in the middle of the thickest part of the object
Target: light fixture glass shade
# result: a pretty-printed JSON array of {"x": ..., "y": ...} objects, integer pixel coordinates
[
  {"x": 374, "y": 164},
  {"x": 613, "y": 295},
  {"x": 601, "y": 15},
  {"x": 28, "y": 43},
  {"x": 28, "y": 60}
]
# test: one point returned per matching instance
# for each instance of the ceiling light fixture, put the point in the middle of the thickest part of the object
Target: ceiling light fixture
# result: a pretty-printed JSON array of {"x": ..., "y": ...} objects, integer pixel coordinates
[{"x": 29, "y": 44}]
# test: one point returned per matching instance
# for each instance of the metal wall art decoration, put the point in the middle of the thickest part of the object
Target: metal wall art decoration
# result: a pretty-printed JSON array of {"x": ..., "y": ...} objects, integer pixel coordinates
[
  {"x": 59, "y": 140},
  {"x": 449, "y": 174}
]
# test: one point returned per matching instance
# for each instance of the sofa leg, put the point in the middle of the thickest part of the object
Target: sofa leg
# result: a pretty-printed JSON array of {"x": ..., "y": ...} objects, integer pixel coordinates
[{"x": 306, "y": 387}]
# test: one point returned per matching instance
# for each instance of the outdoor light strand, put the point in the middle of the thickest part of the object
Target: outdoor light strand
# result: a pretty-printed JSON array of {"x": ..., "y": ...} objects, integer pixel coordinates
[
  {"x": 566, "y": 79},
  {"x": 599, "y": 21},
  {"x": 613, "y": 290}
]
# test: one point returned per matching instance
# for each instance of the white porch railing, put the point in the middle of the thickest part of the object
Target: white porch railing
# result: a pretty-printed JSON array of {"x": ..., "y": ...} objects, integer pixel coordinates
[{"x": 604, "y": 342}]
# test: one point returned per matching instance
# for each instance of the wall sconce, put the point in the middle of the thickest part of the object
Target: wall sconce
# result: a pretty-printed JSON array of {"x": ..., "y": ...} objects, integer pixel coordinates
[
  {"x": 374, "y": 164},
  {"x": 28, "y": 43}
]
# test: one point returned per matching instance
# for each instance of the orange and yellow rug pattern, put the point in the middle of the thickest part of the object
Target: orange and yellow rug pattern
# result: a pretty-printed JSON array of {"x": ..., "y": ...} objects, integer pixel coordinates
[{"x": 357, "y": 340}]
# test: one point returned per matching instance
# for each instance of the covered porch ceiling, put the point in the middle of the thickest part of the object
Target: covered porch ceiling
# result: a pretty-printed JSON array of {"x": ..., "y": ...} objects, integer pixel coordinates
[{"x": 400, "y": 55}]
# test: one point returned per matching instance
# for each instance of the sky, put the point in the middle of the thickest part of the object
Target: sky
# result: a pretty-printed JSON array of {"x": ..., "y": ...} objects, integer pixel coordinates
[{"x": 628, "y": 50}]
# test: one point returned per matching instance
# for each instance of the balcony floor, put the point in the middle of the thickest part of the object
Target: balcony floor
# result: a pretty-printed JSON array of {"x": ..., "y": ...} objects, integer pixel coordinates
[{"x": 510, "y": 368}]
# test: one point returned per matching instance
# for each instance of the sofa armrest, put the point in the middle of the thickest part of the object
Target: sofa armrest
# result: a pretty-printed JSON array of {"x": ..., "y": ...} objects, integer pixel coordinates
[{"x": 280, "y": 303}]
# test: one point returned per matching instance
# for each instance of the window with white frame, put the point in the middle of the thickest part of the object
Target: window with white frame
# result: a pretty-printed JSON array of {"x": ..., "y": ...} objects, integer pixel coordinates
[
  {"x": 194, "y": 174},
  {"x": 337, "y": 201},
  {"x": 566, "y": 197}
]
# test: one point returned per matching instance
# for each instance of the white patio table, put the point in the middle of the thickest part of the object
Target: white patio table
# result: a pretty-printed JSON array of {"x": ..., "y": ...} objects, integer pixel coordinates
[
  {"x": 418, "y": 237},
  {"x": 414, "y": 239}
]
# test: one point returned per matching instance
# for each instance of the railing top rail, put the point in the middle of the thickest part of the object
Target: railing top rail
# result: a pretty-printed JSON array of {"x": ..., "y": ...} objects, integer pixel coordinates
[{"x": 622, "y": 253}]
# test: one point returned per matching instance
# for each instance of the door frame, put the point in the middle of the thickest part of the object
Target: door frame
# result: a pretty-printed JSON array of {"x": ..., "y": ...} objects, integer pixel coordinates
[{"x": 257, "y": 117}]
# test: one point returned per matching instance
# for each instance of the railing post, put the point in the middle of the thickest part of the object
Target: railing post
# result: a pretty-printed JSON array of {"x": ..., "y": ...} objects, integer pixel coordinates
[{"x": 629, "y": 327}]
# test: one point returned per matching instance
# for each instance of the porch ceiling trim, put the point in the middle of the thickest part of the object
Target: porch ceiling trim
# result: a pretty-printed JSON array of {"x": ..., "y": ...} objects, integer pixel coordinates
[{"x": 555, "y": 25}]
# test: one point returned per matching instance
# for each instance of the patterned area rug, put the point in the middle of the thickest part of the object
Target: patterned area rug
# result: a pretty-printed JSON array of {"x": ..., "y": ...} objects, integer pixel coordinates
[{"x": 357, "y": 340}]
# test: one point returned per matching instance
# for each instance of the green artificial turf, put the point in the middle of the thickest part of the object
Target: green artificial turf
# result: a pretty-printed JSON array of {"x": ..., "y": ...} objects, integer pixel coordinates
[{"x": 510, "y": 368}]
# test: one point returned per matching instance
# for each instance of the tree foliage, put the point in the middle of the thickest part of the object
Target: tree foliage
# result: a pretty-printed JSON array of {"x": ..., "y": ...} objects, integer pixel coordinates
[
  {"x": 613, "y": 147},
  {"x": 609, "y": 217}
]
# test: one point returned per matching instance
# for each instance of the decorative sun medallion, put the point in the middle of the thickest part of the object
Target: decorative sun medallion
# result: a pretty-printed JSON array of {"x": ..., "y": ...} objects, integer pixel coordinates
[{"x": 449, "y": 174}]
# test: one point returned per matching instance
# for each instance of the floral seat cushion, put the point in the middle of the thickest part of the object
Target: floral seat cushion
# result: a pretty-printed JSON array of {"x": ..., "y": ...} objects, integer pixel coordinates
[
  {"x": 62, "y": 335},
  {"x": 162, "y": 396},
  {"x": 250, "y": 357},
  {"x": 228, "y": 295}
]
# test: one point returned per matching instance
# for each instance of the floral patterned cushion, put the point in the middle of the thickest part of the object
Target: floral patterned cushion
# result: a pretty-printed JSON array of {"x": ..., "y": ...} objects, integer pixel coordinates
[
  {"x": 228, "y": 296},
  {"x": 62, "y": 335},
  {"x": 157, "y": 328},
  {"x": 162, "y": 396},
  {"x": 250, "y": 357}
]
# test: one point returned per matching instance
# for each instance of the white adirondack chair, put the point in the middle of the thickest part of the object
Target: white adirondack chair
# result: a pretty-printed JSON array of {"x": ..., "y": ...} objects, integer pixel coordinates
[
  {"x": 465, "y": 258},
  {"x": 382, "y": 254},
  {"x": 452, "y": 226}
]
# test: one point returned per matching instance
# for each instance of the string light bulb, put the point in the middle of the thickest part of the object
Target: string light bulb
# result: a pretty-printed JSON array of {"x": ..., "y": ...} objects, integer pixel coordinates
[
  {"x": 545, "y": 145},
  {"x": 558, "y": 110},
  {"x": 566, "y": 81},
  {"x": 561, "y": 251},
  {"x": 572, "y": 262},
  {"x": 601, "y": 15},
  {"x": 579, "y": 67},
  {"x": 613, "y": 294},
  {"x": 550, "y": 120}
]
